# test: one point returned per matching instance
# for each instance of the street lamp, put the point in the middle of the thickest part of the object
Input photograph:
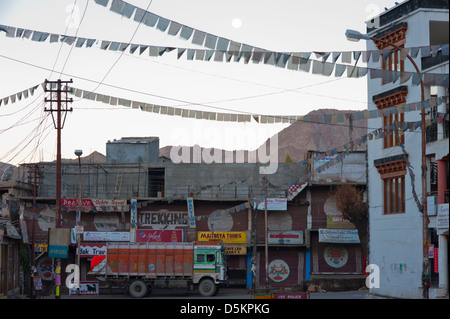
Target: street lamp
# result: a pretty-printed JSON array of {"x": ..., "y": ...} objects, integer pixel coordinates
[
  {"x": 78, "y": 214},
  {"x": 355, "y": 36}
]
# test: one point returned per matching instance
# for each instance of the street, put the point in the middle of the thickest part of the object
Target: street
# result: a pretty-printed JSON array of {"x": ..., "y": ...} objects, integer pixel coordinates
[{"x": 224, "y": 293}]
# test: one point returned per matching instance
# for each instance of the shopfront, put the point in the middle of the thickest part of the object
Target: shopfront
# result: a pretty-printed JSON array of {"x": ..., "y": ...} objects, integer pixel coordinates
[
  {"x": 235, "y": 243},
  {"x": 286, "y": 260},
  {"x": 337, "y": 258},
  {"x": 438, "y": 250}
]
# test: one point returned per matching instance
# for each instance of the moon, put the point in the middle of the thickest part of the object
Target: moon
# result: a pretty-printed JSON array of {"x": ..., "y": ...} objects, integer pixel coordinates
[{"x": 236, "y": 23}]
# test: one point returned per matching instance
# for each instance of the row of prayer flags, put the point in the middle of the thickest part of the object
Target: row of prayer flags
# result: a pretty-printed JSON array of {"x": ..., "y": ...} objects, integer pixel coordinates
[
  {"x": 232, "y": 117},
  {"x": 228, "y": 50},
  {"x": 263, "y": 119}
]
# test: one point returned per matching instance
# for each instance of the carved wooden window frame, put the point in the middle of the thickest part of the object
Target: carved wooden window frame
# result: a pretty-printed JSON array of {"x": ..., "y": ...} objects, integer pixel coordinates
[
  {"x": 397, "y": 37},
  {"x": 393, "y": 175},
  {"x": 392, "y": 138}
]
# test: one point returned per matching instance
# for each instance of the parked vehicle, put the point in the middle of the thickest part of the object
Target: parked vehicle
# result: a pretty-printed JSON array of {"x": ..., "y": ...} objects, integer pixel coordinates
[{"x": 201, "y": 264}]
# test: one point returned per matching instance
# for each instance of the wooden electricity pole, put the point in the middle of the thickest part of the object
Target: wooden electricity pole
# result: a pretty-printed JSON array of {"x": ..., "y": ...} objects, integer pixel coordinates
[{"x": 58, "y": 96}]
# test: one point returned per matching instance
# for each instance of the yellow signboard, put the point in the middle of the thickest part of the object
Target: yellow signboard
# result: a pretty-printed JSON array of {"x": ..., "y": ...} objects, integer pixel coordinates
[
  {"x": 231, "y": 237},
  {"x": 235, "y": 250}
]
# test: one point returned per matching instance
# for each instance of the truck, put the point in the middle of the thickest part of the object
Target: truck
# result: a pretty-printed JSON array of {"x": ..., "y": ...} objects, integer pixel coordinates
[{"x": 139, "y": 265}]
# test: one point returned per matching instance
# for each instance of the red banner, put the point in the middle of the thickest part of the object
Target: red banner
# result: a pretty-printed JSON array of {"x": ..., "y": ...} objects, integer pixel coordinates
[
  {"x": 436, "y": 260},
  {"x": 162, "y": 236},
  {"x": 91, "y": 202}
]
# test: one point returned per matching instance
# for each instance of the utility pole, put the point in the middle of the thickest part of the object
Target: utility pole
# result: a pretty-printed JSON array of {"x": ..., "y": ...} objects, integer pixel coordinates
[{"x": 58, "y": 95}]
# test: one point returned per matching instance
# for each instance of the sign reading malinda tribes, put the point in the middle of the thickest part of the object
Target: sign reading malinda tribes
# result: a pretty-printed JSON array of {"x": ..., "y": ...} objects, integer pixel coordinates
[
  {"x": 95, "y": 203},
  {"x": 161, "y": 236},
  {"x": 163, "y": 217}
]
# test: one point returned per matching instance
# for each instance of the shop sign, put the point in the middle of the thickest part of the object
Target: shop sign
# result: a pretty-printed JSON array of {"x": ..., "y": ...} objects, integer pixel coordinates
[
  {"x": 342, "y": 236},
  {"x": 285, "y": 238},
  {"x": 232, "y": 237},
  {"x": 78, "y": 230},
  {"x": 431, "y": 251},
  {"x": 133, "y": 214},
  {"x": 90, "y": 250},
  {"x": 40, "y": 248},
  {"x": 291, "y": 295},
  {"x": 436, "y": 260},
  {"x": 190, "y": 207},
  {"x": 44, "y": 269},
  {"x": 235, "y": 250},
  {"x": 98, "y": 204},
  {"x": 106, "y": 236},
  {"x": 273, "y": 204},
  {"x": 163, "y": 218},
  {"x": 338, "y": 222},
  {"x": 335, "y": 257},
  {"x": 133, "y": 211},
  {"x": 86, "y": 288},
  {"x": 279, "y": 270},
  {"x": 431, "y": 205},
  {"x": 58, "y": 242},
  {"x": 322, "y": 158},
  {"x": 92, "y": 202},
  {"x": 442, "y": 216},
  {"x": 37, "y": 283},
  {"x": 161, "y": 236}
]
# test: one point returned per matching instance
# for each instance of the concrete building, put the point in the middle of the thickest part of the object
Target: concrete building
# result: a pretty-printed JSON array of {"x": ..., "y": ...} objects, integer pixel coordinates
[
  {"x": 11, "y": 239},
  {"x": 228, "y": 203},
  {"x": 397, "y": 227}
]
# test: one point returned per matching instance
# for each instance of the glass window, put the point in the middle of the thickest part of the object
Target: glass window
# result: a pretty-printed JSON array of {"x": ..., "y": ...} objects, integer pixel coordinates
[{"x": 394, "y": 195}]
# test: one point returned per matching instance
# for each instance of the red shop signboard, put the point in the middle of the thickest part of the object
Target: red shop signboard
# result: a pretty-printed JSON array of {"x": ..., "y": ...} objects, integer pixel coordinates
[
  {"x": 436, "y": 260},
  {"x": 161, "y": 236}
]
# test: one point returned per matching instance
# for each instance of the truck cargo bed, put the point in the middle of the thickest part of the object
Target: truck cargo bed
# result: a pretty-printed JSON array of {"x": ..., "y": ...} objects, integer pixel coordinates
[{"x": 150, "y": 260}]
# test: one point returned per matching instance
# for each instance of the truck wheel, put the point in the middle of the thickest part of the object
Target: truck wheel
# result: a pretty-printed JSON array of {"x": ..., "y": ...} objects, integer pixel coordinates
[
  {"x": 138, "y": 289},
  {"x": 207, "y": 287}
]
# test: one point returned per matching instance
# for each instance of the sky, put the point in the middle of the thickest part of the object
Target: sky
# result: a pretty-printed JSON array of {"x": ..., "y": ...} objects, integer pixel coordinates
[{"x": 26, "y": 131}]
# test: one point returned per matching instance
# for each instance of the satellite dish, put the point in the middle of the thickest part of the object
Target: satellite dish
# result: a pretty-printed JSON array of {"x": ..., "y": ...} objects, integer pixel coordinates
[{"x": 7, "y": 174}]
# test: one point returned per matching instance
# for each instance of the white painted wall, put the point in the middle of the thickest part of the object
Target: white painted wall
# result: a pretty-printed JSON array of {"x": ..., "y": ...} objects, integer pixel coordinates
[{"x": 396, "y": 240}]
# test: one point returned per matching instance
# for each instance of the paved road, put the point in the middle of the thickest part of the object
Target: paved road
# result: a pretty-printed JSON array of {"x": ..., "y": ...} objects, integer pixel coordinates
[
  {"x": 225, "y": 293},
  {"x": 354, "y": 294}
]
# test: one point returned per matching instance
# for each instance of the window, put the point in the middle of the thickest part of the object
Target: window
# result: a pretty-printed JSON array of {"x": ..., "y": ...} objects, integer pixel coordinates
[
  {"x": 201, "y": 258},
  {"x": 393, "y": 173},
  {"x": 396, "y": 34},
  {"x": 394, "y": 195},
  {"x": 393, "y": 62},
  {"x": 156, "y": 182},
  {"x": 392, "y": 121},
  {"x": 393, "y": 137}
]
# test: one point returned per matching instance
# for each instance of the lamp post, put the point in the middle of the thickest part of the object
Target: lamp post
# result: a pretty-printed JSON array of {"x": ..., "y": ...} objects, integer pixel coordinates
[
  {"x": 353, "y": 35},
  {"x": 78, "y": 215}
]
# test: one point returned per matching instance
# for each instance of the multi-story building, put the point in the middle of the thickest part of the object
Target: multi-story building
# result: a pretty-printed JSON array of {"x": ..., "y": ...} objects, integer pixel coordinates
[
  {"x": 407, "y": 247},
  {"x": 304, "y": 238}
]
